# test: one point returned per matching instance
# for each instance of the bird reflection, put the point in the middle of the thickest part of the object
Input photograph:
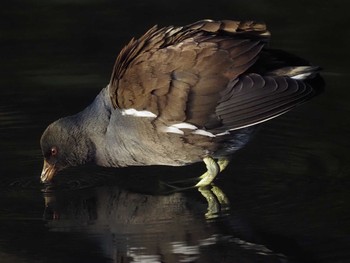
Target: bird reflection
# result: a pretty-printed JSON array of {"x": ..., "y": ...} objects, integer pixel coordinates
[
  {"x": 134, "y": 227},
  {"x": 218, "y": 203}
]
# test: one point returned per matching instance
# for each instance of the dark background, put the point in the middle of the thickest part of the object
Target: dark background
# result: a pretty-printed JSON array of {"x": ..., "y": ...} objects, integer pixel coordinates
[{"x": 288, "y": 188}]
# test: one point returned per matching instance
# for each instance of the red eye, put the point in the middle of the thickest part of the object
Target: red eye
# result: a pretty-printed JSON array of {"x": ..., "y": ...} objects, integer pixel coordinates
[{"x": 53, "y": 151}]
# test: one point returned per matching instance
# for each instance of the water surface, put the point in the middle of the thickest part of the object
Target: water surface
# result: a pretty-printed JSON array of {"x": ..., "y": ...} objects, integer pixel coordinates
[{"x": 286, "y": 193}]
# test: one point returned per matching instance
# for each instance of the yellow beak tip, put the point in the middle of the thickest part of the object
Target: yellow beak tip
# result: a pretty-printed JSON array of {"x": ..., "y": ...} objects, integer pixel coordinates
[{"x": 48, "y": 172}]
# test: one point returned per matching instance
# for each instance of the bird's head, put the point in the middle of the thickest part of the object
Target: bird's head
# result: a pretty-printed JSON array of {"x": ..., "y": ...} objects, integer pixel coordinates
[{"x": 62, "y": 147}]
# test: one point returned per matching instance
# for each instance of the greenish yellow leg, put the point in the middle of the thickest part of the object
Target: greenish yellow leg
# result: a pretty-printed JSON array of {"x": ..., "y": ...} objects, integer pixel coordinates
[
  {"x": 213, "y": 205},
  {"x": 213, "y": 168},
  {"x": 222, "y": 198},
  {"x": 216, "y": 199},
  {"x": 223, "y": 163},
  {"x": 212, "y": 171}
]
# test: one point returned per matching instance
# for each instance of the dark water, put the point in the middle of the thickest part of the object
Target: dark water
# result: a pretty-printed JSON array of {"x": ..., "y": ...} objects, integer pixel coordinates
[{"x": 287, "y": 195}]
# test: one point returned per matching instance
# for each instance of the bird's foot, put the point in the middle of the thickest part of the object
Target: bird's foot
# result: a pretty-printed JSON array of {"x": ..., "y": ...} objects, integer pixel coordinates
[{"x": 213, "y": 169}]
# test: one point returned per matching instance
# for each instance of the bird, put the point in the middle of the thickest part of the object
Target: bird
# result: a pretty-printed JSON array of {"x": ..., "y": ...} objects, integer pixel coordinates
[{"x": 179, "y": 95}]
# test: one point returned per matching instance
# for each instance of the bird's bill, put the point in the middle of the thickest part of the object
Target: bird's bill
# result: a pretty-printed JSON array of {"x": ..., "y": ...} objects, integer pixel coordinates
[{"x": 49, "y": 171}]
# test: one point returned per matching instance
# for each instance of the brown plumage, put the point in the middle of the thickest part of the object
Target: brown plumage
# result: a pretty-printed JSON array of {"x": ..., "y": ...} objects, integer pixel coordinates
[
  {"x": 181, "y": 73},
  {"x": 178, "y": 72},
  {"x": 178, "y": 95}
]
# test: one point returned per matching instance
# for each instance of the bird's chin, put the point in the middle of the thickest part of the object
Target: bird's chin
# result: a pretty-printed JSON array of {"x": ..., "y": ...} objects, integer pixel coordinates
[{"x": 48, "y": 172}]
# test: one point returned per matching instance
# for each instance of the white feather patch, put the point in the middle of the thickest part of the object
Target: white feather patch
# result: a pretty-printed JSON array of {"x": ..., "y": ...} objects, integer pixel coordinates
[
  {"x": 302, "y": 76},
  {"x": 172, "y": 130},
  {"x": 203, "y": 133},
  {"x": 136, "y": 113},
  {"x": 184, "y": 125},
  {"x": 178, "y": 127}
]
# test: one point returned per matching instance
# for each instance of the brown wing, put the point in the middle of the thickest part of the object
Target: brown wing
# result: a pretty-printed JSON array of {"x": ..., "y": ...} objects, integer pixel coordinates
[
  {"x": 253, "y": 98},
  {"x": 178, "y": 73}
]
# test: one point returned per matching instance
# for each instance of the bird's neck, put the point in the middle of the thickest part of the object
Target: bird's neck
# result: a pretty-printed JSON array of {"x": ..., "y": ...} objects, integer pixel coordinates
[
  {"x": 98, "y": 129},
  {"x": 87, "y": 129}
]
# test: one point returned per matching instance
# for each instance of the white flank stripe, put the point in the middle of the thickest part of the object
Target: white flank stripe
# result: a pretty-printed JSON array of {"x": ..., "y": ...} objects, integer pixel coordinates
[
  {"x": 184, "y": 125},
  {"x": 172, "y": 130},
  {"x": 223, "y": 133},
  {"x": 255, "y": 123},
  {"x": 203, "y": 133},
  {"x": 136, "y": 113}
]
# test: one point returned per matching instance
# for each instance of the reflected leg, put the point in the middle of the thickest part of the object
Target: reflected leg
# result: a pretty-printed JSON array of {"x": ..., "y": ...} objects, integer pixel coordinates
[
  {"x": 213, "y": 204},
  {"x": 216, "y": 199}
]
